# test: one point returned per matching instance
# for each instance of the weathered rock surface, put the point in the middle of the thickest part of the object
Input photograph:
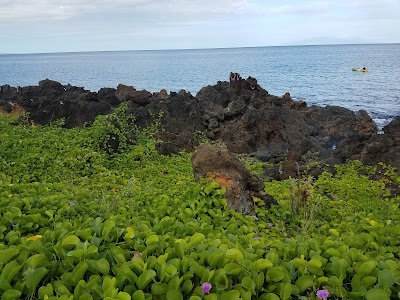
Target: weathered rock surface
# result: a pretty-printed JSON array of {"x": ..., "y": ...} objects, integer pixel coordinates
[
  {"x": 240, "y": 113},
  {"x": 218, "y": 164},
  {"x": 377, "y": 148}
]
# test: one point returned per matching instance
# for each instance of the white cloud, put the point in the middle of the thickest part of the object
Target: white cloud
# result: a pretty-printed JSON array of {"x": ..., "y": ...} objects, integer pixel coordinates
[{"x": 27, "y": 10}]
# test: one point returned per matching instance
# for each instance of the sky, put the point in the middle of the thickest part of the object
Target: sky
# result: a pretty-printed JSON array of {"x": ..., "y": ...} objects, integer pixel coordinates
[{"x": 37, "y": 26}]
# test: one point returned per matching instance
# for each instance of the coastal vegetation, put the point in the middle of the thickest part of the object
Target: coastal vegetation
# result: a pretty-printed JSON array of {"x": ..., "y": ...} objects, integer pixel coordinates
[{"x": 96, "y": 213}]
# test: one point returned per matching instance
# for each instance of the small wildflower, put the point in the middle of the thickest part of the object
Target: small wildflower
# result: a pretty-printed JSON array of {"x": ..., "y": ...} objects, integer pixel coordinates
[
  {"x": 206, "y": 287},
  {"x": 255, "y": 218},
  {"x": 137, "y": 255},
  {"x": 322, "y": 294},
  {"x": 257, "y": 238},
  {"x": 71, "y": 203},
  {"x": 270, "y": 224}
]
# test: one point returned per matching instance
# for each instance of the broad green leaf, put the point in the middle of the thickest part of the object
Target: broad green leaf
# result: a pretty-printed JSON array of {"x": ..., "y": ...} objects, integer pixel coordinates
[
  {"x": 152, "y": 239},
  {"x": 107, "y": 228},
  {"x": 33, "y": 276},
  {"x": 78, "y": 253},
  {"x": 128, "y": 273},
  {"x": 145, "y": 278},
  {"x": 196, "y": 239},
  {"x": 46, "y": 290},
  {"x": 123, "y": 296},
  {"x": 377, "y": 294},
  {"x": 214, "y": 184},
  {"x": 169, "y": 271},
  {"x": 215, "y": 258},
  {"x": 174, "y": 283},
  {"x": 233, "y": 269},
  {"x": 365, "y": 268},
  {"x": 286, "y": 290},
  {"x": 248, "y": 283},
  {"x": 187, "y": 286},
  {"x": 211, "y": 297},
  {"x": 304, "y": 282},
  {"x": 337, "y": 285},
  {"x": 260, "y": 265},
  {"x": 275, "y": 274},
  {"x": 108, "y": 283},
  {"x": 323, "y": 279},
  {"x": 61, "y": 289},
  {"x": 386, "y": 279},
  {"x": 234, "y": 254},
  {"x": 35, "y": 260},
  {"x": 130, "y": 233},
  {"x": 79, "y": 271},
  {"x": 7, "y": 254},
  {"x": 70, "y": 242},
  {"x": 4, "y": 285},
  {"x": 179, "y": 249},
  {"x": 231, "y": 295},
  {"x": 10, "y": 270},
  {"x": 103, "y": 266},
  {"x": 333, "y": 252},
  {"x": 11, "y": 295},
  {"x": 301, "y": 261},
  {"x": 174, "y": 295},
  {"x": 315, "y": 263},
  {"x": 334, "y": 232},
  {"x": 339, "y": 266},
  {"x": 162, "y": 259},
  {"x": 368, "y": 281},
  {"x": 259, "y": 278},
  {"x": 159, "y": 288},
  {"x": 138, "y": 295},
  {"x": 271, "y": 296}
]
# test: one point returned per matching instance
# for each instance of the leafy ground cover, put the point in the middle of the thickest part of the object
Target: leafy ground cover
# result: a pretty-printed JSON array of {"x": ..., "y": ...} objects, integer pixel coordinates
[{"x": 97, "y": 213}]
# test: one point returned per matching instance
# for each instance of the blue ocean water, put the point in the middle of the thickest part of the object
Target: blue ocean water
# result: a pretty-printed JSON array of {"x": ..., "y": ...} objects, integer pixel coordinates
[{"x": 320, "y": 75}]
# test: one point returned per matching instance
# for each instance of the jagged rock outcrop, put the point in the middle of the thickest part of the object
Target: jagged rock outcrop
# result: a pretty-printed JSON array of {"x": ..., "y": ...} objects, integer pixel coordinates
[
  {"x": 377, "y": 148},
  {"x": 239, "y": 113},
  {"x": 216, "y": 163},
  {"x": 50, "y": 101}
]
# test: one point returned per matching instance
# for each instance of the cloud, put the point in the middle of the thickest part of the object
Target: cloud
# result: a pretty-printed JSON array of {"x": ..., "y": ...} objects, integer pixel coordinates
[{"x": 33, "y": 10}]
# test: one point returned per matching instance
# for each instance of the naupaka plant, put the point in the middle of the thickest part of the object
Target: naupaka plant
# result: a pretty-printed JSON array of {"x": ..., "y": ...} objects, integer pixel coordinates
[{"x": 77, "y": 222}]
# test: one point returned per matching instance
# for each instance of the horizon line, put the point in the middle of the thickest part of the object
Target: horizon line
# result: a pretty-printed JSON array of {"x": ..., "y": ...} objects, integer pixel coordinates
[{"x": 200, "y": 49}]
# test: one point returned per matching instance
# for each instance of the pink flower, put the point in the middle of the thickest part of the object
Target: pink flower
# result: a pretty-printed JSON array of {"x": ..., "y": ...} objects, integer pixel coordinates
[
  {"x": 206, "y": 287},
  {"x": 322, "y": 294},
  {"x": 255, "y": 218},
  {"x": 137, "y": 255}
]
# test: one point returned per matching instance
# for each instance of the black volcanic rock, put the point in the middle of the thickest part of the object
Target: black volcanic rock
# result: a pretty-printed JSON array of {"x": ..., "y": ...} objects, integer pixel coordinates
[
  {"x": 239, "y": 113},
  {"x": 216, "y": 163},
  {"x": 376, "y": 148}
]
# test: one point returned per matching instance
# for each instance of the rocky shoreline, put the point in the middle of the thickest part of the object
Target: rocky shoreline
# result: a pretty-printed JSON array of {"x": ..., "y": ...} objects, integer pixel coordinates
[{"x": 239, "y": 113}]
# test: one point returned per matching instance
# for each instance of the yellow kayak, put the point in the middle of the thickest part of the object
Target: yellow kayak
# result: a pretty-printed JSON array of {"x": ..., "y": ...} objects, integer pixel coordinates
[{"x": 359, "y": 70}]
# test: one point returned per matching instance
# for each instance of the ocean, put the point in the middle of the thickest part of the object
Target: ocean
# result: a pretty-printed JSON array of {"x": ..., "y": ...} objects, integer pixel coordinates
[{"x": 320, "y": 75}]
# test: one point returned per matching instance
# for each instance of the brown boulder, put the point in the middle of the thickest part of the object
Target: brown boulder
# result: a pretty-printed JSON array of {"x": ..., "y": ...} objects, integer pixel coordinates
[{"x": 216, "y": 163}]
